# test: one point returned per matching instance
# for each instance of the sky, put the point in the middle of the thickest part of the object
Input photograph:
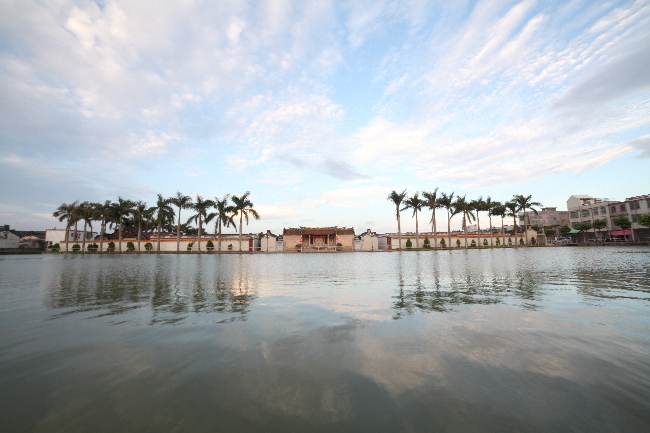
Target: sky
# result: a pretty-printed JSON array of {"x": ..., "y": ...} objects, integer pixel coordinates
[{"x": 320, "y": 108}]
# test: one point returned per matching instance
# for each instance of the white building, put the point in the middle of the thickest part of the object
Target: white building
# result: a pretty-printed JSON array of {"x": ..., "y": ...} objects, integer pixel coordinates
[{"x": 8, "y": 238}]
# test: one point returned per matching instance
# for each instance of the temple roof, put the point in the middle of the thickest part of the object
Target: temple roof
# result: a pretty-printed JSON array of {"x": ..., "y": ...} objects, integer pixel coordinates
[{"x": 319, "y": 231}]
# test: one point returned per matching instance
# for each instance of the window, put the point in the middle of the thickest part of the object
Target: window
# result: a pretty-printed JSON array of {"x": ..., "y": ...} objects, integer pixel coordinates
[
  {"x": 647, "y": 203},
  {"x": 585, "y": 213},
  {"x": 635, "y": 205},
  {"x": 635, "y": 218},
  {"x": 613, "y": 209},
  {"x": 622, "y": 208},
  {"x": 574, "y": 224},
  {"x": 574, "y": 214},
  {"x": 603, "y": 211},
  {"x": 595, "y": 211}
]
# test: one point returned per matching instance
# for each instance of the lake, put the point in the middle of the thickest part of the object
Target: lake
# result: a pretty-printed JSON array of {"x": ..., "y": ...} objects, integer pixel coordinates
[{"x": 529, "y": 339}]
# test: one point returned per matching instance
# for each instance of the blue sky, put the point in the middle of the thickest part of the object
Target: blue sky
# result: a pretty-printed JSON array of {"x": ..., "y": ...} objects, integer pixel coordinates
[{"x": 320, "y": 108}]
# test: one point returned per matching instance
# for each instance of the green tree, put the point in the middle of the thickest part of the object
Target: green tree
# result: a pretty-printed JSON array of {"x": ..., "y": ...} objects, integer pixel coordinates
[
  {"x": 68, "y": 213},
  {"x": 582, "y": 227},
  {"x": 624, "y": 223},
  {"x": 397, "y": 198},
  {"x": 446, "y": 201},
  {"x": 644, "y": 220},
  {"x": 121, "y": 209},
  {"x": 479, "y": 205},
  {"x": 599, "y": 224},
  {"x": 183, "y": 202},
  {"x": 164, "y": 215},
  {"x": 243, "y": 208},
  {"x": 224, "y": 216},
  {"x": 209, "y": 246},
  {"x": 142, "y": 216},
  {"x": 525, "y": 203},
  {"x": 409, "y": 244},
  {"x": 148, "y": 246},
  {"x": 104, "y": 214},
  {"x": 130, "y": 247},
  {"x": 87, "y": 214},
  {"x": 416, "y": 203},
  {"x": 201, "y": 207},
  {"x": 499, "y": 210},
  {"x": 489, "y": 206},
  {"x": 512, "y": 209},
  {"x": 462, "y": 206},
  {"x": 427, "y": 243},
  {"x": 432, "y": 202},
  {"x": 565, "y": 230}
]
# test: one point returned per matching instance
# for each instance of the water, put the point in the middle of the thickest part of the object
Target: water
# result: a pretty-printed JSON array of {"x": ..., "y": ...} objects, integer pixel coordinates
[{"x": 530, "y": 340}]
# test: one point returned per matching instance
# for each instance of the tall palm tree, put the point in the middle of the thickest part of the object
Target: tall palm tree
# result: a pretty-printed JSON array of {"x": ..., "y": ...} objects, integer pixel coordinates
[
  {"x": 462, "y": 206},
  {"x": 87, "y": 214},
  {"x": 183, "y": 202},
  {"x": 243, "y": 207},
  {"x": 141, "y": 215},
  {"x": 104, "y": 214},
  {"x": 446, "y": 201},
  {"x": 201, "y": 207},
  {"x": 397, "y": 198},
  {"x": 416, "y": 203},
  {"x": 511, "y": 210},
  {"x": 498, "y": 209},
  {"x": 479, "y": 205},
  {"x": 121, "y": 209},
  {"x": 164, "y": 215},
  {"x": 224, "y": 216},
  {"x": 67, "y": 212},
  {"x": 489, "y": 205},
  {"x": 524, "y": 204},
  {"x": 432, "y": 203}
]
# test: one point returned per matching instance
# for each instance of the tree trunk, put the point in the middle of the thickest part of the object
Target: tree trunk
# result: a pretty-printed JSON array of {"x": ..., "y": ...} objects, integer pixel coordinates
[
  {"x": 525, "y": 229},
  {"x": 417, "y": 238},
  {"x": 435, "y": 231},
  {"x": 120, "y": 235},
  {"x": 491, "y": 232},
  {"x": 101, "y": 235},
  {"x": 158, "y": 235},
  {"x": 478, "y": 227},
  {"x": 399, "y": 229},
  {"x": 503, "y": 232},
  {"x": 200, "y": 228},
  {"x": 449, "y": 228},
  {"x": 83, "y": 243},
  {"x": 241, "y": 217},
  {"x": 219, "y": 235},
  {"x": 514, "y": 228},
  {"x": 76, "y": 233},
  {"x": 465, "y": 219},
  {"x": 178, "y": 231},
  {"x": 139, "y": 235},
  {"x": 67, "y": 237}
]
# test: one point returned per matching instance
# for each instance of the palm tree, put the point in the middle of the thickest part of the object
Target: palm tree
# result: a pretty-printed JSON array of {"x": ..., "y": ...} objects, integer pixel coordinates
[
  {"x": 243, "y": 207},
  {"x": 141, "y": 215},
  {"x": 524, "y": 204},
  {"x": 183, "y": 202},
  {"x": 398, "y": 198},
  {"x": 87, "y": 214},
  {"x": 67, "y": 212},
  {"x": 511, "y": 210},
  {"x": 415, "y": 203},
  {"x": 489, "y": 204},
  {"x": 479, "y": 205},
  {"x": 103, "y": 213},
  {"x": 164, "y": 215},
  {"x": 201, "y": 207},
  {"x": 224, "y": 216},
  {"x": 121, "y": 209},
  {"x": 462, "y": 206},
  {"x": 446, "y": 202},
  {"x": 499, "y": 210},
  {"x": 433, "y": 204}
]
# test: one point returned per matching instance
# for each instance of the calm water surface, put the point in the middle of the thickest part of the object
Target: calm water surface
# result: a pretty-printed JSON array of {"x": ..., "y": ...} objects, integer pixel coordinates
[{"x": 527, "y": 340}]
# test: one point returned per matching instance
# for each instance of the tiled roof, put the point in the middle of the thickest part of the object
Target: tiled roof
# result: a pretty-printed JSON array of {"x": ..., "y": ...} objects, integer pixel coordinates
[{"x": 319, "y": 231}]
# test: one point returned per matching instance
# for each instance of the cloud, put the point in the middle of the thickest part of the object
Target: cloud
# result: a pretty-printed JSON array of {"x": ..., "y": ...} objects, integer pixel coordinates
[
  {"x": 340, "y": 169},
  {"x": 276, "y": 212},
  {"x": 641, "y": 144}
]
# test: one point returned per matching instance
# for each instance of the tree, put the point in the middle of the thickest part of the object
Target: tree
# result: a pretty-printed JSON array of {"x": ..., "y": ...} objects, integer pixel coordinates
[
  {"x": 446, "y": 201},
  {"x": 183, "y": 202},
  {"x": 141, "y": 215},
  {"x": 478, "y": 205},
  {"x": 463, "y": 207},
  {"x": 201, "y": 207},
  {"x": 582, "y": 227},
  {"x": 489, "y": 205},
  {"x": 104, "y": 214},
  {"x": 498, "y": 209},
  {"x": 397, "y": 198},
  {"x": 644, "y": 220},
  {"x": 243, "y": 207},
  {"x": 624, "y": 223},
  {"x": 565, "y": 230},
  {"x": 416, "y": 203},
  {"x": 121, "y": 209},
  {"x": 87, "y": 214},
  {"x": 524, "y": 203},
  {"x": 164, "y": 215},
  {"x": 511, "y": 210},
  {"x": 67, "y": 213},
  {"x": 431, "y": 201},
  {"x": 599, "y": 224},
  {"x": 224, "y": 216}
]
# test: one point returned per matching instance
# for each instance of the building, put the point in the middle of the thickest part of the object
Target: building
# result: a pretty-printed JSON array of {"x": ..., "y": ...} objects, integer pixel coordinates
[
  {"x": 547, "y": 217},
  {"x": 587, "y": 209},
  {"x": 318, "y": 239},
  {"x": 633, "y": 208},
  {"x": 9, "y": 239},
  {"x": 366, "y": 241},
  {"x": 270, "y": 243},
  {"x": 57, "y": 236}
]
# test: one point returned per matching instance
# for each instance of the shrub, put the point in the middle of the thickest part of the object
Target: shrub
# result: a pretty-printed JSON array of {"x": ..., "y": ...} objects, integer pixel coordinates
[
  {"x": 93, "y": 248},
  {"x": 190, "y": 245},
  {"x": 76, "y": 248},
  {"x": 443, "y": 244},
  {"x": 521, "y": 241},
  {"x": 510, "y": 241},
  {"x": 229, "y": 247},
  {"x": 457, "y": 243},
  {"x": 111, "y": 247},
  {"x": 130, "y": 246},
  {"x": 148, "y": 246},
  {"x": 498, "y": 242},
  {"x": 298, "y": 246},
  {"x": 209, "y": 246},
  {"x": 54, "y": 248},
  {"x": 427, "y": 243},
  {"x": 409, "y": 244},
  {"x": 473, "y": 242},
  {"x": 485, "y": 242},
  {"x": 533, "y": 241}
]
